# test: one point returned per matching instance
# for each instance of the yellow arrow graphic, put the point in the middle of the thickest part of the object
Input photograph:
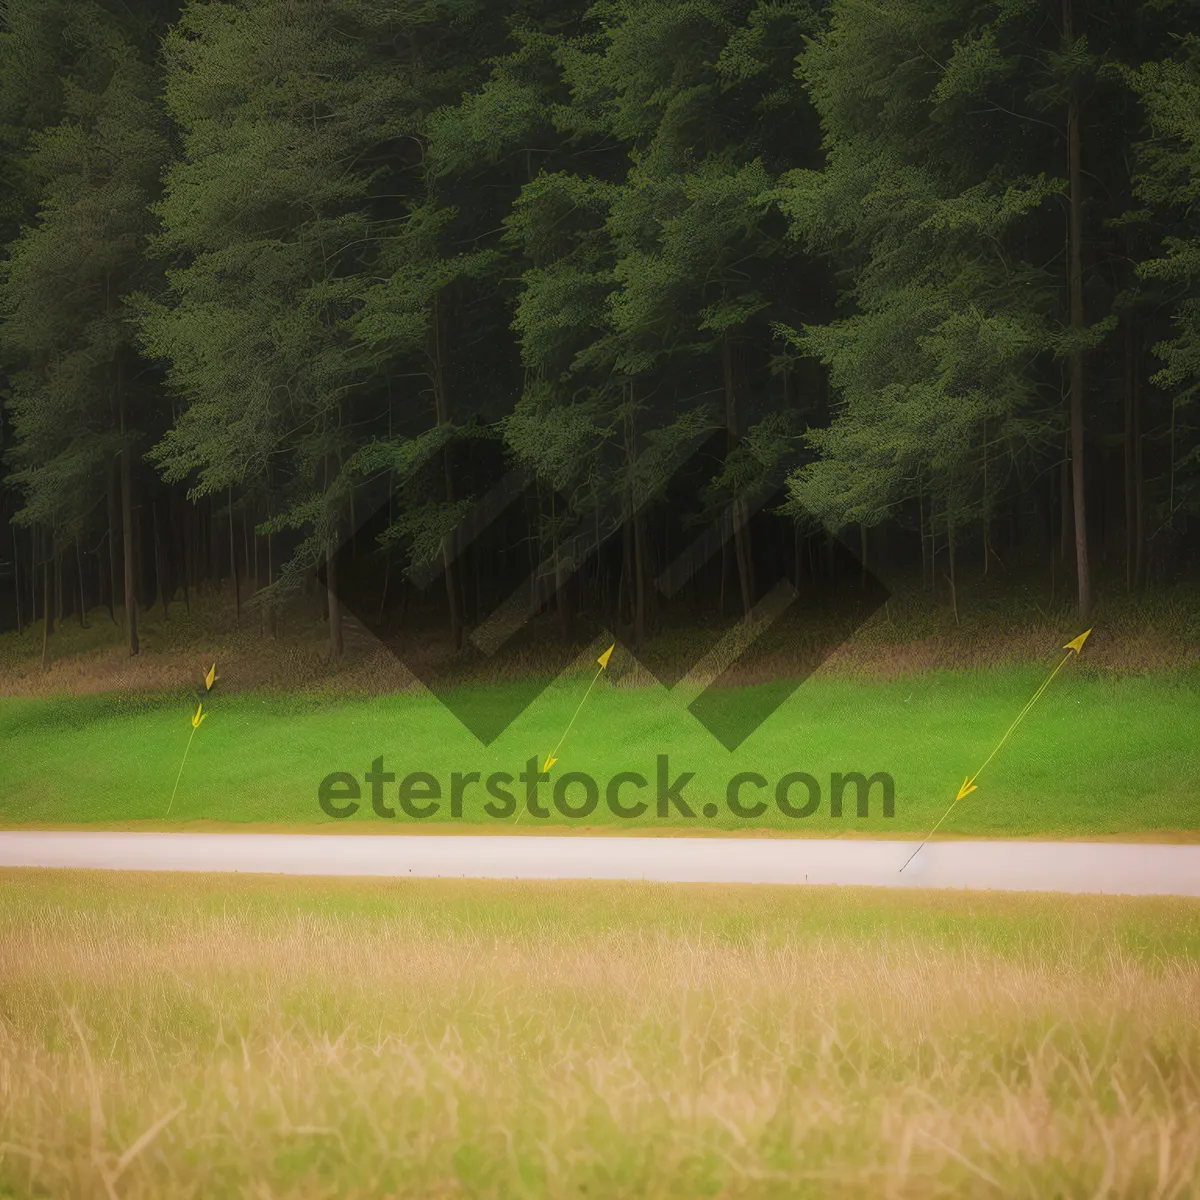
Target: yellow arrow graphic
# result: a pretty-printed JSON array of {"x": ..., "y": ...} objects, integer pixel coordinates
[
  {"x": 197, "y": 721},
  {"x": 968, "y": 785},
  {"x": 603, "y": 661}
]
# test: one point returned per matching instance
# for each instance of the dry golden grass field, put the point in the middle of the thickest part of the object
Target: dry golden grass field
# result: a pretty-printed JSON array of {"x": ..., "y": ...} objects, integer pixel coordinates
[{"x": 255, "y": 1036}]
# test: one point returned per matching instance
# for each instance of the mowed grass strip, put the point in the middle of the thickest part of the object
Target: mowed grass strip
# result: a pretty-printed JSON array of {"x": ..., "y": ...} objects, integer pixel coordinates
[
  {"x": 1100, "y": 754},
  {"x": 209, "y": 1036}
]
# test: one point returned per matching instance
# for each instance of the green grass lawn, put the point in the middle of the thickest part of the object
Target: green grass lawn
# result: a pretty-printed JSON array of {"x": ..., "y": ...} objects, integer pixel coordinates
[
  {"x": 224, "y": 1036},
  {"x": 1100, "y": 754}
]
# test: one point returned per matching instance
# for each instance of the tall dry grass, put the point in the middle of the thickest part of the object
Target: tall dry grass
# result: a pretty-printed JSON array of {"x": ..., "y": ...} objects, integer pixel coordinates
[{"x": 180, "y": 1038}]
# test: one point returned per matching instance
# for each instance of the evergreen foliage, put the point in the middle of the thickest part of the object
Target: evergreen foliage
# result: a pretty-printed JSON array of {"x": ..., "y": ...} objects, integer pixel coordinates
[{"x": 269, "y": 265}]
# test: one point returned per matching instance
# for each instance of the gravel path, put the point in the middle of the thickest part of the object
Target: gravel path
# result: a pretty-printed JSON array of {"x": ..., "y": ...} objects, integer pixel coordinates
[{"x": 1100, "y": 867}]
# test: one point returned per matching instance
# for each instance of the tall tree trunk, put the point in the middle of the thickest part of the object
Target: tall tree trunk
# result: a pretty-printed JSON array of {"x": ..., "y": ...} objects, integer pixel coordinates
[
  {"x": 17, "y": 578},
  {"x": 212, "y": 538},
  {"x": 725, "y": 556},
  {"x": 331, "y": 600},
  {"x": 103, "y": 582},
  {"x": 160, "y": 579},
  {"x": 1075, "y": 281},
  {"x": 336, "y": 644},
  {"x": 58, "y": 588},
  {"x": 1139, "y": 491},
  {"x": 47, "y": 614},
  {"x": 637, "y": 520},
  {"x": 233, "y": 567},
  {"x": 987, "y": 514},
  {"x": 1171, "y": 467},
  {"x": 387, "y": 578},
  {"x": 1066, "y": 514},
  {"x": 391, "y": 493},
  {"x": 639, "y": 573},
  {"x": 130, "y": 591},
  {"x": 926, "y": 573},
  {"x": 113, "y": 475},
  {"x": 187, "y": 560},
  {"x": 562, "y": 601},
  {"x": 82, "y": 599},
  {"x": 741, "y": 528},
  {"x": 562, "y": 598},
  {"x": 1131, "y": 440},
  {"x": 441, "y": 399},
  {"x": 625, "y": 600},
  {"x": 246, "y": 552},
  {"x": 130, "y": 585},
  {"x": 533, "y": 547},
  {"x": 953, "y": 580},
  {"x": 272, "y": 620}
]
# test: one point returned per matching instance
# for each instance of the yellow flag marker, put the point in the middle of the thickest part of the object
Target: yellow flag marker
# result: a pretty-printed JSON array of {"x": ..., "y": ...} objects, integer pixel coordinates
[
  {"x": 603, "y": 661},
  {"x": 211, "y": 678},
  {"x": 968, "y": 784}
]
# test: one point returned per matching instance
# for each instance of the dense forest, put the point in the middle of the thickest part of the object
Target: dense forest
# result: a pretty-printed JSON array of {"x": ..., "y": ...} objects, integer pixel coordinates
[{"x": 921, "y": 277}]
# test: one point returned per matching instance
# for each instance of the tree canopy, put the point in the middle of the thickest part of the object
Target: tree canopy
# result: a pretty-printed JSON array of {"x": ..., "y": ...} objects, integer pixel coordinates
[{"x": 280, "y": 276}]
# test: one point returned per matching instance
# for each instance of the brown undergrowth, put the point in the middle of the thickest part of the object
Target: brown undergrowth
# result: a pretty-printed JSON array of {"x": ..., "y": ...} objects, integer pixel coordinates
[{"x": 909, "y": 636}]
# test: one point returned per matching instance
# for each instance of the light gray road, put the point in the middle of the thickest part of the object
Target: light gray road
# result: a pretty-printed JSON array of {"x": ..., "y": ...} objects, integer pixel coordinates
[{"x": 1009, "y": 865}]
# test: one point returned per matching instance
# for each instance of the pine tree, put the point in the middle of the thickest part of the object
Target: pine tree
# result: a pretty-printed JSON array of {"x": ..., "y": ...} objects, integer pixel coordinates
[
  {"x": 1168, "y": 183},
  {"x": 292, "y": 115},
  {"x": 659, "y": 277},
  {"x": 968, "y": 311},
  {"x": 77, "y": 407}
]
